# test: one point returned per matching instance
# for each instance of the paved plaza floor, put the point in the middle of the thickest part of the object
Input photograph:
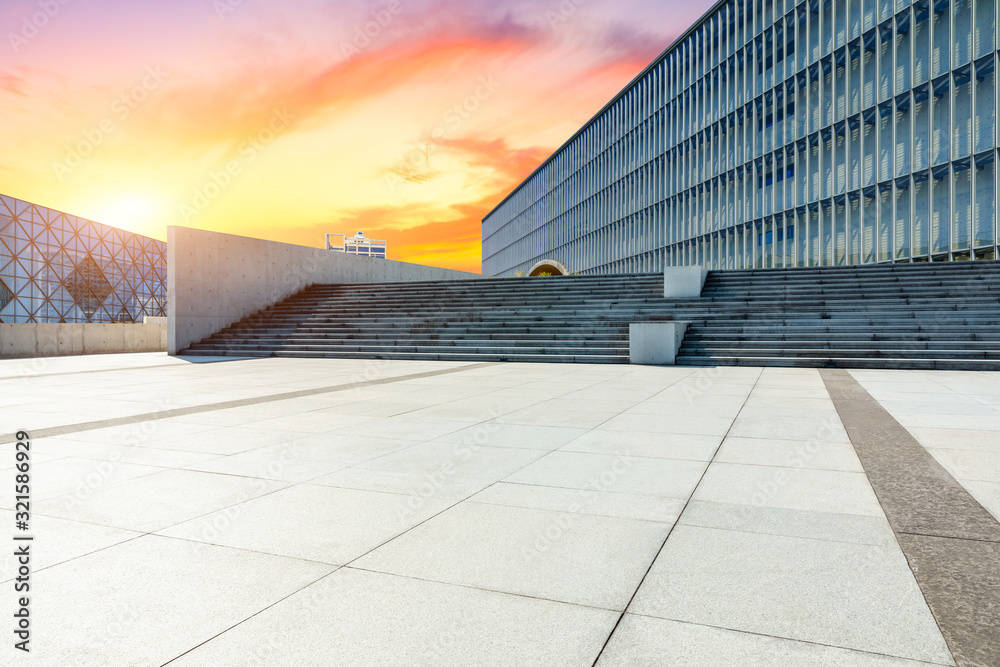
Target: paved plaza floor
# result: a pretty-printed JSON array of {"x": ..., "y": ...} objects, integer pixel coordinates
[{"x": 341, "y": 512}]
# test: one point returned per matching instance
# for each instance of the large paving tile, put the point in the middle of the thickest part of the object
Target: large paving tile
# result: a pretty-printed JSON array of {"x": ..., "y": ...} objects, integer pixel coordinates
[
  {"x": 317, "y": 523},
  {"x": 814, "y": 414},
  {"x": 434, "y": 470},
  {"x": 939, "y": 407},
  {"x": 148, "y": 600},
  {"x": 761, "y": 401},
  {"x": 576, "y": 558},
  {"x": 695, "y": 398},
  {"x": 967, "y": 464},
  {"x": 136, "y": 454},
  {"x": 957, "y": 422},
  {"x": 315, "y": 421},
  {"x": 772, "y": 377},
  {"x": 856, "y": 528},
  {"x": 911, "y": 386},
  {"x": 946, "y": 438},
  {"x": 536, "y": 415},
  {"x": 790, "y": 454},
  {"x": 142, "y": 432},
  {"x": 419, "y": 430},
  {"x": 353, "y": 617},
  {"x": 156, "y": 501},
  {"x": 653, "y": 445},
  {"x": 8, "y": 460},
  {"x": 644, "y": 507},
  {"x": 673, "y": 478},
  {"x": 642, "y": 641},
  {"x": 222, "y": 441},
  {"x": 791, "y": 392},
  {"x": 691, "y": 425},
  {"x": 992, "y": 398},
  {"x": 525, "y": 436},
  {"x": 413, "y": 409},
  {"x": 831, "y": 491},
  {"x": 596, "y": 401},
  {"x": 303, "y": 458},
  {"x": 885, "y": 396},
  {"x": 59, "y": 540},
  {"x": 71, "y": 477},
  {"x": 787, "y": 428},
  {"x": 848, "y": 595},
  {"x": 247, "y": 414},
  {"x": 483, "y": 407},
  {"x": 674, "y": 410}
]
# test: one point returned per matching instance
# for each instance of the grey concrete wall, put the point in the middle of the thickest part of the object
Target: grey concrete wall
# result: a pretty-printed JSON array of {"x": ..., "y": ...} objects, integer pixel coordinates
[
  {"x": 53, "y": 340},
  {"x": 216, "y": 279}
]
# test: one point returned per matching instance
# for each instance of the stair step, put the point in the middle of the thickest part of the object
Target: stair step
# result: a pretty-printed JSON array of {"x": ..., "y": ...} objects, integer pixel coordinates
[{"x": 941, "y": 315}]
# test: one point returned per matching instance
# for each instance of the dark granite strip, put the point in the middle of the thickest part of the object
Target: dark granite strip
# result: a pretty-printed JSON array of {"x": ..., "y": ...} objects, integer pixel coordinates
[
  {"x": 950, "y": 541},
  {"x": 961, "y": 581},
  {"x": 223, "y": 405}
]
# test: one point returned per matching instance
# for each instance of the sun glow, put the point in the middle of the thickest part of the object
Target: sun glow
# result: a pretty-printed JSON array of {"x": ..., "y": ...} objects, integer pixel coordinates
[{"x": 142, "y": 213}]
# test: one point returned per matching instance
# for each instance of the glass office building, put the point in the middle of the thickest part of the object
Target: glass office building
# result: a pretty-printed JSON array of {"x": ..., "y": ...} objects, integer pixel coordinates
[
  {"x": 56, "y": 267},
  {"x": 779, "y": 133}
]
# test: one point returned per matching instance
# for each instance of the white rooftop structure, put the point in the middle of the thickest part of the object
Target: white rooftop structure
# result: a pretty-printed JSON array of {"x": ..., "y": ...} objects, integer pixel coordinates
[{"x": 359, "y": 244}]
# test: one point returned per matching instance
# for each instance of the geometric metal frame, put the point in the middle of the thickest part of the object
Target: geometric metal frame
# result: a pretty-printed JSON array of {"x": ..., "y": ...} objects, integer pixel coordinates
[{"x": 56, "y": 267}]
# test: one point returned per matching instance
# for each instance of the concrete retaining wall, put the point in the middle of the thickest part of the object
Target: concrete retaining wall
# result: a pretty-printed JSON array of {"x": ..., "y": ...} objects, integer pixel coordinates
[
  {"x": 216, "y": 279},
  {"x": 53, "y": 340}
]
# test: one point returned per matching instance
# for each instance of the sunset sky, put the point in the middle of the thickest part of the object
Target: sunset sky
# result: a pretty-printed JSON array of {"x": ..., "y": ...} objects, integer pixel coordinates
[{"x": 284, "y": 120}]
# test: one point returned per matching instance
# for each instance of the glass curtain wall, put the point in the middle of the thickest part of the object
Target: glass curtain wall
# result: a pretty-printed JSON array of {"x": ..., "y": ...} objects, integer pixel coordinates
[{"x": 780, "y": 133}]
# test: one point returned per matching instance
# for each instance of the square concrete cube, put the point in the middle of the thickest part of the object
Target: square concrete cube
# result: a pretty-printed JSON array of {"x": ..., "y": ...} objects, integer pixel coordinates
[{"x": 655, "y": 342}]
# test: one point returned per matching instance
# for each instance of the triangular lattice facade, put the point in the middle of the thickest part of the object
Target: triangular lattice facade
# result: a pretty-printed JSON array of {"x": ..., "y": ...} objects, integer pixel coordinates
[{"x": 56, "y": 267}]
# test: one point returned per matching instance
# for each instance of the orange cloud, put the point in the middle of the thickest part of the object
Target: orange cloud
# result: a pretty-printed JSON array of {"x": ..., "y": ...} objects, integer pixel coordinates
[
  {"x": 226, "y": 112},
  {"x": 13, "y": 84},
  {"x": 510, "y": 164}
]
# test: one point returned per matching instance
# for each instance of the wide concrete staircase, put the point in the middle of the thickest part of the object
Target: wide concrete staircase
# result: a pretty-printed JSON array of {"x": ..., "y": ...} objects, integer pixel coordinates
[
  {"x": 918, "y": 316},
  {"x": 944, "y": 316},
  {"x": 568, "y": 319}
]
